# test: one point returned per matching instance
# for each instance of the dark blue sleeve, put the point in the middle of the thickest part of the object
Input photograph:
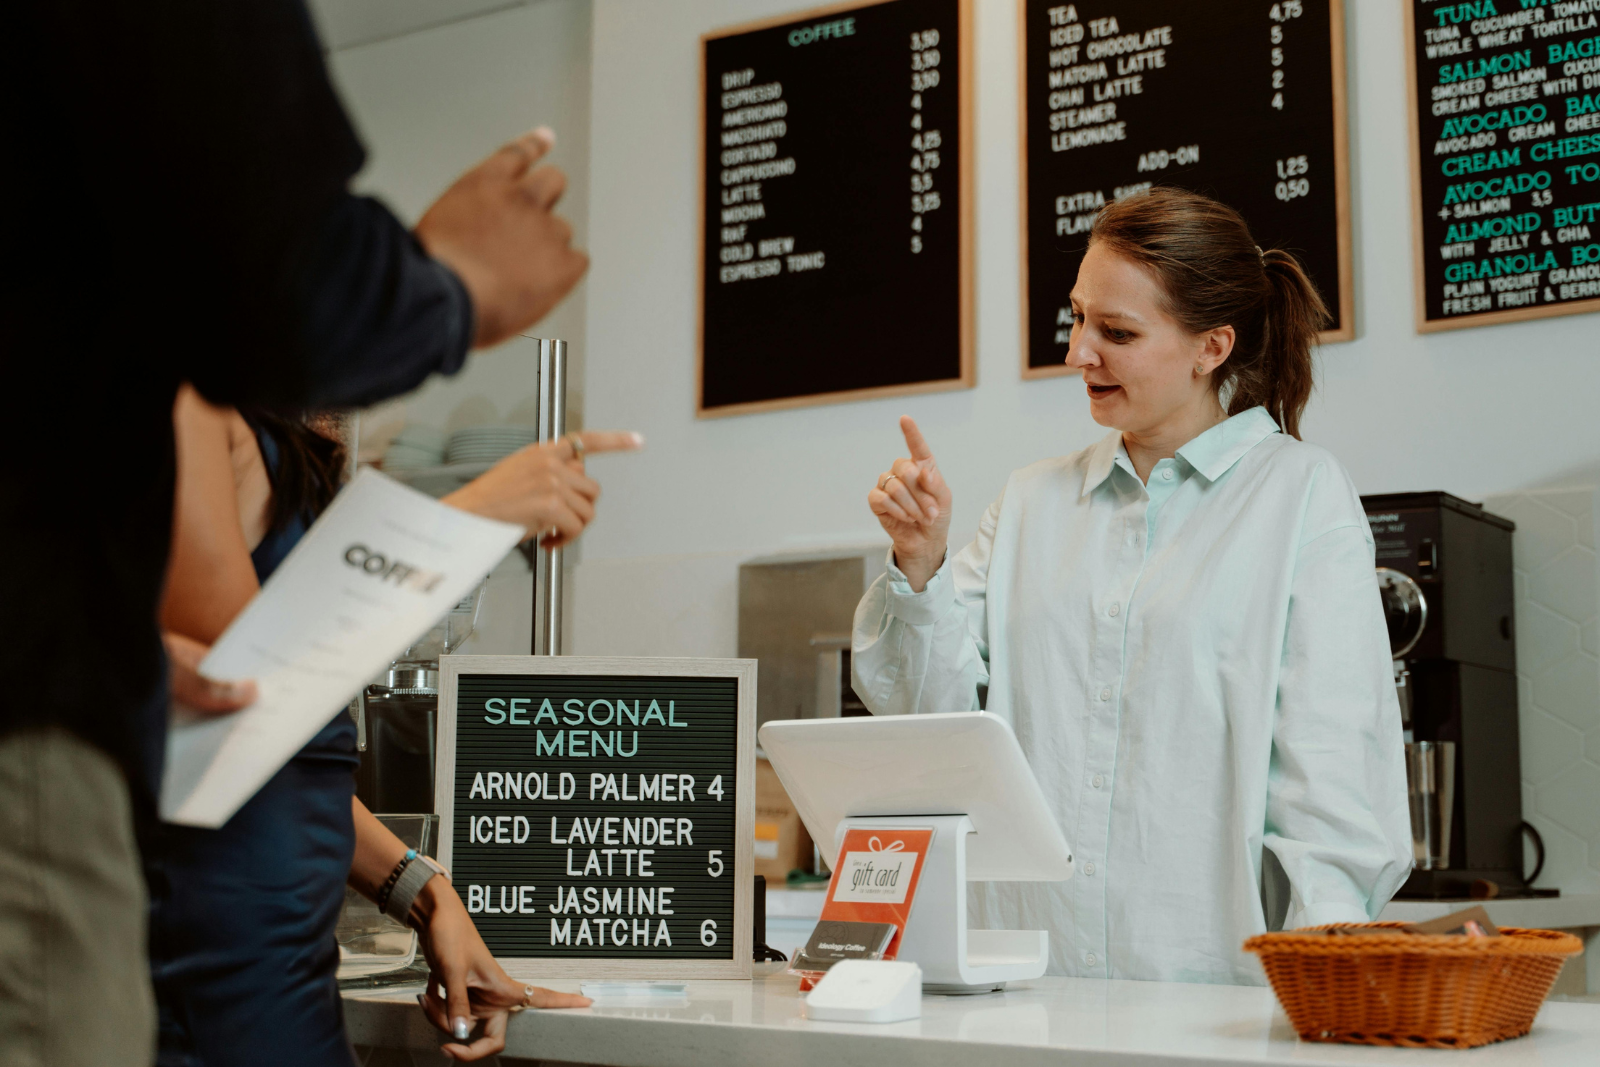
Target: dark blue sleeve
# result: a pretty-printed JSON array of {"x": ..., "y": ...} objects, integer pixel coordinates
[{"x": 366, "y": 315}]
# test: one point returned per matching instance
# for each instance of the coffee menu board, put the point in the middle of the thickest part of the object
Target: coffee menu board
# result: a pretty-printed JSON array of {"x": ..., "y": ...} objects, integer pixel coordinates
[
  {"x": 836, "y": 242},
  {"x": 1244, "y": 102},
  {"x": 1505, "y": 150},
  {"x": 597, "y": 815}
]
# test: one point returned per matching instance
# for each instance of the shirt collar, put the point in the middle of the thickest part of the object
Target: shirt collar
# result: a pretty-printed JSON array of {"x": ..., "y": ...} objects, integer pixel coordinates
[
  {"x": 1102, "y": 458},
  {"x": 1215, "y": 452},
  {"x": 1212, "y": 454}
]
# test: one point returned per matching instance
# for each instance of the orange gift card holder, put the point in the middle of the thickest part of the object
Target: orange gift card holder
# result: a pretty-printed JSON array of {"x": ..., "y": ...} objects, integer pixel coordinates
[{"x": 875, "y": 881}]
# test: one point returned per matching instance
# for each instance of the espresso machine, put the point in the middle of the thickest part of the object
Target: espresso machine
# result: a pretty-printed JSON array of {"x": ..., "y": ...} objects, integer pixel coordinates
[{"x": 1444, "y": 572}]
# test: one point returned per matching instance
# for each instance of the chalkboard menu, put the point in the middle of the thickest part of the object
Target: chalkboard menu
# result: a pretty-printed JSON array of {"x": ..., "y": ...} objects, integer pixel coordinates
[
  {"x": 1243, "y": 102},
  {"x": 1505, "y": 153},
  {"x": 836, "y": 243},
  {"x": 597, "y": 814}
]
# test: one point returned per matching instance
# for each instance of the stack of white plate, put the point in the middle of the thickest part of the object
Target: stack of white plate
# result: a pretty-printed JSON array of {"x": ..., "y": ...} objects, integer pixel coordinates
[
  {"x": 488, "y": 444},
  {"x": 415, "y": 447}
]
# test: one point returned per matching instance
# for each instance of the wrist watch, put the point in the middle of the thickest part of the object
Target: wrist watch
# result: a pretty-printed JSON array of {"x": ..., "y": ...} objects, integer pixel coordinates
[{"x": 400, "y": 891}]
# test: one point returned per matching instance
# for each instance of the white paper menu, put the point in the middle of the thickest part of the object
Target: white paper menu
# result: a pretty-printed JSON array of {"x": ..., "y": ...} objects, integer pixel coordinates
[{"x": 380, "y": 567}]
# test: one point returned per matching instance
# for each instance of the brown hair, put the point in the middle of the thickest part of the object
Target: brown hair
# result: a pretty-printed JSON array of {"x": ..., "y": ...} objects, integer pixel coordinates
[
  {"x": 1214, "y": 274},
  {"x": 308, "y": 469}
]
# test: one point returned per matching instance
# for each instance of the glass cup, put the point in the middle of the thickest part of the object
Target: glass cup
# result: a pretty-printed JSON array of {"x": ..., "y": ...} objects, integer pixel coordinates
[
  {"x": 1431, "y": 783},
  {"x": 372, "y": 946}
]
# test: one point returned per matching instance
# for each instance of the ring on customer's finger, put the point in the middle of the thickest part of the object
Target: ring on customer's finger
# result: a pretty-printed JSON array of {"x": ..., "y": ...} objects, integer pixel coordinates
[
  {"x": 578, "y": 449},
  {"x": 887, "y": 479}
]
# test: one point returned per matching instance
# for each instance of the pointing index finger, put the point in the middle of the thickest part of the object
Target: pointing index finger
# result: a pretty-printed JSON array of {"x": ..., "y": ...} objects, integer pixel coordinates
[
  {"x": 606, "y": 441},
  {"x": 914, "y": 439},
  {"x": 524, "y": 151}
]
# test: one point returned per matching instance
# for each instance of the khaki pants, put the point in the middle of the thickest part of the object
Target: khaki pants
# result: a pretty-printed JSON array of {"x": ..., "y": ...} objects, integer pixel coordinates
[{"x": 74, "y": 979}]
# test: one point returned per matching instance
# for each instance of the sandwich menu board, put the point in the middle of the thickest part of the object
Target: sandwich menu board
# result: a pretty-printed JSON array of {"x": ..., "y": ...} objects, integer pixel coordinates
[
  {"x": 1505, "y": 151},
  {"x": 836, "y": 243},
  {"x": 597, "y": 814},
  {"x": 1243, "y": 102}
]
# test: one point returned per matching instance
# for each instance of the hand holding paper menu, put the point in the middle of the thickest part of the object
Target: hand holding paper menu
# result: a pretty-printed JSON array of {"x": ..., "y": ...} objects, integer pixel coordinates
[{"x": 375, "y": 571}]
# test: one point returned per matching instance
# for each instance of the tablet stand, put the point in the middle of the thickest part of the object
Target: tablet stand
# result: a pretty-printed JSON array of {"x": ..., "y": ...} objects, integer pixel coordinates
[{"x": 953, "y": 958}]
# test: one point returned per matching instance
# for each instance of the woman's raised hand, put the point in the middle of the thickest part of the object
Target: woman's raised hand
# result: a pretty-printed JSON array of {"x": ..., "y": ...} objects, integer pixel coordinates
[
  {"x": 544, "y": 487},
  {"x": 912, "y": 503}
]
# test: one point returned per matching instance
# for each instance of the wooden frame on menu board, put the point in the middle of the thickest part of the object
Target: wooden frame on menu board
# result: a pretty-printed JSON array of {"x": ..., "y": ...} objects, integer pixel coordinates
[
  {"x": 1418, "y": 267},
  {"x": 967, "y": 377},
  {"x": 740, "y": 868},
  {"x": 1341, "y": 155}
]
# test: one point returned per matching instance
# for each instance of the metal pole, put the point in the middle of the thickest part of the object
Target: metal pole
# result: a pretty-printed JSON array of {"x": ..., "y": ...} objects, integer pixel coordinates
[{"x": 552, "y": 424}]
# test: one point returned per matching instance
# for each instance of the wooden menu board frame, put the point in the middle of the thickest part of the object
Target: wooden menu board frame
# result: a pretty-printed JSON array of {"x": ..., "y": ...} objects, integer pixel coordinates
[
  {"x": 742, "y": 868},
  {"x": 968, "y": 376},
  {"x": 1341, "y": 156},
  {"x": 1419, "y": 273}
]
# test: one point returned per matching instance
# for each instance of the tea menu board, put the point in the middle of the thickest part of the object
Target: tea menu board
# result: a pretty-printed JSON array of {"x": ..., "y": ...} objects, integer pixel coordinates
[
  {"x": 836, "y": 240},
  {"x": 597, "y": 814},
  {"x": 1505, "y": 159},
  {"x": 1243, "y": 102}
]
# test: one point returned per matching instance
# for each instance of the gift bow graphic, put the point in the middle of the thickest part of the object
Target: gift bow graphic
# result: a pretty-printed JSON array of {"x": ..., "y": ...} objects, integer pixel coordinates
[{"x": 874, "y": 845}]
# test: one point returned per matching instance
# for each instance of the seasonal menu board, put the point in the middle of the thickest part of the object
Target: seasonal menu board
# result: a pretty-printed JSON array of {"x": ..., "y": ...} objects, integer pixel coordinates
[
  {"x": 597, "y": 814},
  {"x": 836, "y": 242},
  {"x": 1505, "y": 114},
  {"x": 1241, "y": 101}
]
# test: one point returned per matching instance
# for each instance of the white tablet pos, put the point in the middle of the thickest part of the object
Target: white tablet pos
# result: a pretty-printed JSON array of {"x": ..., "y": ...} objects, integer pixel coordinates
[{"x": 962, "y": 775}]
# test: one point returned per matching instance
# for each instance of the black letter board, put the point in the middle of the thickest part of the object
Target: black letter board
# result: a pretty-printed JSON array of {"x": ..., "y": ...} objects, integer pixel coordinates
[
  {"x": 1243, "y": 102},
  {"x": 836, "y": 243},
  {"x": 597, "y": 815},
  {"x": 1505, "y": 159}
]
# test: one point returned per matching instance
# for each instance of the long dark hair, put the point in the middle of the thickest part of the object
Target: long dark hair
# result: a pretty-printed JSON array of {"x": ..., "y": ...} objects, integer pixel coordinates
[
  {"x": 310, "y": 465},
  {"x": 1214, "y": 274}
]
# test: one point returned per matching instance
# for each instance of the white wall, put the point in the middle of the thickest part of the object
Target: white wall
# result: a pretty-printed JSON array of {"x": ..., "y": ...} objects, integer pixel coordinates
[
  {"x": 430, "y": 102},
  {"x": 1471, "y": 411},
  {"x": 433, "y": 86}
]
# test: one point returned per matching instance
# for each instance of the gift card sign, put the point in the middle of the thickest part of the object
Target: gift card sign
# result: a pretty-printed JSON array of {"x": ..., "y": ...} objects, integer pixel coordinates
[{"x": 876, "y": 877}]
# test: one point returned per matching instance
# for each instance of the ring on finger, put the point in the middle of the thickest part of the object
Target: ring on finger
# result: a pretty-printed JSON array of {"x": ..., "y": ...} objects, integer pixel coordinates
[
  {"x": 578, "y": 448},
  {"x": 884, "y": 485}
]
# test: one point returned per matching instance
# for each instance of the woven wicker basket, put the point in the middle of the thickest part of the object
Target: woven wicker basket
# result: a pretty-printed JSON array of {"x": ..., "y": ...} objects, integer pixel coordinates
[{"x": 1417, "y": 990}]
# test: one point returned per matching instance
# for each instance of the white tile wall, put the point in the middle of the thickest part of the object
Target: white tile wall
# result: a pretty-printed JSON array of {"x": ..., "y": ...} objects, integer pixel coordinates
[{"x": 1558, "y": 668}]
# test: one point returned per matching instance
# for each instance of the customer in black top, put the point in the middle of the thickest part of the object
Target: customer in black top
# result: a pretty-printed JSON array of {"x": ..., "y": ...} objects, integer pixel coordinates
[{"x": 176, "y": 208}]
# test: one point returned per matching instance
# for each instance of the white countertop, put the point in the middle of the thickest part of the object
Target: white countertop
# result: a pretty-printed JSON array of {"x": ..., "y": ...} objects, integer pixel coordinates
[
  {"x": 1540, "y": 913},
  {"x": 1549, "y": 913},
  {"x": 1099, "y": 1023}
]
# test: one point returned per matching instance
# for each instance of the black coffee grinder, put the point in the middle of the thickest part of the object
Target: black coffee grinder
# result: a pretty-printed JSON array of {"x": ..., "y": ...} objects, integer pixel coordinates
[{"x": 1444, "y": 570}]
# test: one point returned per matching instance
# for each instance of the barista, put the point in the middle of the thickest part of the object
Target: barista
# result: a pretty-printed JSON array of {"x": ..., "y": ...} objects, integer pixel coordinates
[{"x": 1180, "y": 621}]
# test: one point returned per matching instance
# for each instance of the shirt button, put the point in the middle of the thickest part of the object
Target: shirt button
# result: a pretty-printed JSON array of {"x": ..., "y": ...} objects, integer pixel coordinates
[
  {"x": 1098, "y": 780},
  {"x": 1114, "y": 610},
  {"x": 1166, "y": 475},
  {"x": 1088, "y": 869},
  {"x": 1105, "y": 694},
  {"x": 1090, "y": 958}
]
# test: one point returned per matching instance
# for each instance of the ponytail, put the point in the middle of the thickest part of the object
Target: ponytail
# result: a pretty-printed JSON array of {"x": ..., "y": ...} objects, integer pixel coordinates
[{"x": 1213, "y": 274}]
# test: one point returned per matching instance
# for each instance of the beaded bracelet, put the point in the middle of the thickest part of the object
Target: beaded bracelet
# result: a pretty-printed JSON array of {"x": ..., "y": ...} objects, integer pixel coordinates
[{"x": 400, "y": 891}]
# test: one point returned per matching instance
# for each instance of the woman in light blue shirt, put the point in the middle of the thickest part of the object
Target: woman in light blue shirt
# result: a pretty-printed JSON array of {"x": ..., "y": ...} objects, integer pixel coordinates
[{"x": 1181, "y": 622}]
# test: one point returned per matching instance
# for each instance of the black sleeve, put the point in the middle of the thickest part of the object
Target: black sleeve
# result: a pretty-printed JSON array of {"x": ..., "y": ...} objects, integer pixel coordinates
[
  {"x": 215, "y": 158},
  {"x": 364, "y": 314}
]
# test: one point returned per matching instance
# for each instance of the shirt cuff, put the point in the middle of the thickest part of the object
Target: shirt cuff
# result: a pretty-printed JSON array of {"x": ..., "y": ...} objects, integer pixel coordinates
[
  {"x": 1326, "y": 915},
  {"x": 462, "y": 322},
  {"x": 924, "y": 608}
]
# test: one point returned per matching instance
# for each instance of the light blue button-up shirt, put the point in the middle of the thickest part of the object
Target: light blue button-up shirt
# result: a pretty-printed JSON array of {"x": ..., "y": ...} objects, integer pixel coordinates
[{"x": 1198, "y": 671}]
